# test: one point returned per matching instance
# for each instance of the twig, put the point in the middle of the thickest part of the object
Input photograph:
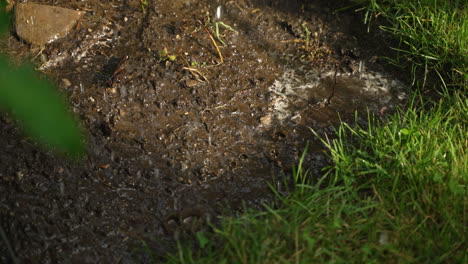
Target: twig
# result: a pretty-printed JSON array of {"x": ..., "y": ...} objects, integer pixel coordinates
[
  {"x": 195, "y": 73},
  {"x": 333, "y": 87},
  {"x": 8, "y": 245},
  {"x": 213, "y": 41}
]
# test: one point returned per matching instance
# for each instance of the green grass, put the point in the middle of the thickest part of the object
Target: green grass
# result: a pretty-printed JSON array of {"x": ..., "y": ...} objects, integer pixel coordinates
[
  {"x": 396, "y": 192},
  {"x": 398, "y": 195},
  {"x": 433, "y": 36}
]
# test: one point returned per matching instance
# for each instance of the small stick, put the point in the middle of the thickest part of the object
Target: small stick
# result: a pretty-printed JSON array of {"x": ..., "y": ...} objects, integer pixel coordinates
[
  {"x": 214, "y": 43},
  {"x": 120, "y": 67},
  {"x": 183, "y": 58},
  {"x": 198, "y": 73},
  {"x": 333, "y": 87},
  {"x": 195, "y": 72},
  {"x": 7, "y": 243}
]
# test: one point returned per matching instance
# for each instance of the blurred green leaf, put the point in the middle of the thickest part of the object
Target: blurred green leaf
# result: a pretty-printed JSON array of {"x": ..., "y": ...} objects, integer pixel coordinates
[{"x": 38, "y": 106}]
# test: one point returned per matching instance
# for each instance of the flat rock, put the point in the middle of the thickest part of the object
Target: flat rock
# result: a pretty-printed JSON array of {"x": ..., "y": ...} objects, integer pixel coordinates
[{"x": 40, "y": 24}]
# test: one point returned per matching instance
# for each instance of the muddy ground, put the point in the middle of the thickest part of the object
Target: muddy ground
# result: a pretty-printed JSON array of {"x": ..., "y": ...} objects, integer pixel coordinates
[{"x": 179, "y": 137}]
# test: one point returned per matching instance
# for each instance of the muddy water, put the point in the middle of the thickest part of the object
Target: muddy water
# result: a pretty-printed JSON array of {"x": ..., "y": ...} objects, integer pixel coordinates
[{"x": 174, "y": 143}]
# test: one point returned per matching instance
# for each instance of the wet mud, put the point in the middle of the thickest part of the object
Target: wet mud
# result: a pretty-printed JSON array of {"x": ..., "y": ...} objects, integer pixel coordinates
[{"x": 180, "y": 130}]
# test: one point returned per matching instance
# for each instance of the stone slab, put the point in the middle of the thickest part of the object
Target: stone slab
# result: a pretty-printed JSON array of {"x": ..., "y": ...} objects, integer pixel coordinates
[{"x": 41, "y": 24}]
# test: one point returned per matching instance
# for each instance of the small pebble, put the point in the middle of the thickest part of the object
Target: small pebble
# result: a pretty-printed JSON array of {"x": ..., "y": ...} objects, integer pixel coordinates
[
  {"x": 265, "y": 120},
  {"x": 191, "y": 83},
  {"x": 66, "y": 82}
]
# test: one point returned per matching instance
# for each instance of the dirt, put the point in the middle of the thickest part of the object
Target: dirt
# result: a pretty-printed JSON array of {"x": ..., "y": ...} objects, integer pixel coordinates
[{"x": 177, "y": 136}]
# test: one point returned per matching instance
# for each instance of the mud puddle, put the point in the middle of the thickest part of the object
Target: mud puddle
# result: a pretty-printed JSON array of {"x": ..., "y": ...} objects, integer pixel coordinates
[{"x": 178, "y": 136}]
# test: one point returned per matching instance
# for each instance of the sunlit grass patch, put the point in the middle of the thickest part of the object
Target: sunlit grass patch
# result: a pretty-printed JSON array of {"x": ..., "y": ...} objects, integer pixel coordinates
[
  {"x": 396, "y": 190},
  {"x": 395, "y": 196},
  {"x": 416, "y": 165}
]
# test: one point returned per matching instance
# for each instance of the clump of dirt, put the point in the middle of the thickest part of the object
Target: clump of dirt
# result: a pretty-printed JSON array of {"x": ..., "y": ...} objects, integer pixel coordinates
[{"x": 181, "y": 127}]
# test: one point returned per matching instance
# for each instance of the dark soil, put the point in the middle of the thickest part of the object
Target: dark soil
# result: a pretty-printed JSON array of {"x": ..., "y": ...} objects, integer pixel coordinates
[{"x": 174, "y": 144}]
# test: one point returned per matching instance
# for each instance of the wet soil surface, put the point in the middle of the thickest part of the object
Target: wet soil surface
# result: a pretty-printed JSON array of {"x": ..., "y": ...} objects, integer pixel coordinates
[{"x": 177, "y": 135}]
